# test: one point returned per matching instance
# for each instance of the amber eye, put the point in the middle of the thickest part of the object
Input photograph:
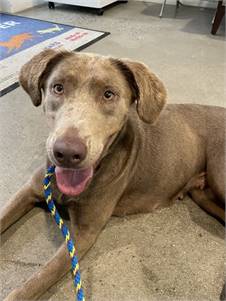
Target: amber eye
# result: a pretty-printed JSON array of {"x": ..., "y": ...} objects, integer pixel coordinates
[
  {"x": 58, "y": 89},
  {"x": 108, "y": 95}
]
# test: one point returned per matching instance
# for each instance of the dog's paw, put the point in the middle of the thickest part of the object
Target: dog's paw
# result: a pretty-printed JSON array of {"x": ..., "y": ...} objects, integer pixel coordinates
[
  {"x": 198, "y": 182},
  {"x": 180, "y": 196}
]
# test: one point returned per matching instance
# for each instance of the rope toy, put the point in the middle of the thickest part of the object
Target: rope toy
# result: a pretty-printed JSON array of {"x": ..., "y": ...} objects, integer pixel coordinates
[{"x": 66, "y": 234}]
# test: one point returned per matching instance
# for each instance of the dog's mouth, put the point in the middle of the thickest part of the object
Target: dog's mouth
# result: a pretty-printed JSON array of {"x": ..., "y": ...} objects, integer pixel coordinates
[{"x": 72, "y": 182}]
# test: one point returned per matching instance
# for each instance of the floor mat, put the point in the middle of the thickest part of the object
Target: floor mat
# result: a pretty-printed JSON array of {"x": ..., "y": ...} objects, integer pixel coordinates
[{"x": 21, "y": 38}]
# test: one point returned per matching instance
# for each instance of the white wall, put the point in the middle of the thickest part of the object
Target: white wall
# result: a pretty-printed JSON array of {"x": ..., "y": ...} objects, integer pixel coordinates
[{"x": 13, "y": 6}]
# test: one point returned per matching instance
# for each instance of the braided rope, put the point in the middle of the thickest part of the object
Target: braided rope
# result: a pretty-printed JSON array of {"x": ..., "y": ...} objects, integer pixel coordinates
[{"x": 66, "y": 234}]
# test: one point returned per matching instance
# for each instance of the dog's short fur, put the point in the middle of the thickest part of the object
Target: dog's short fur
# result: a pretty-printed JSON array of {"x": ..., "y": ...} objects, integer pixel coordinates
[{"x": 144, "y": 154}]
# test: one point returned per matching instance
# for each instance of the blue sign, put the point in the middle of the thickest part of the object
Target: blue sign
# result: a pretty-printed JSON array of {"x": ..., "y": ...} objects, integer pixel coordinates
[{"x": 19, "y": 33}]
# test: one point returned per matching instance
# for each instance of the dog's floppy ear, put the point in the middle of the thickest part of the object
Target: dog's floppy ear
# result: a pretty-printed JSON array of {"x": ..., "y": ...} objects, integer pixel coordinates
[
  {"x": 148, "y": 91},
  {"x": 33, "y": 71}
]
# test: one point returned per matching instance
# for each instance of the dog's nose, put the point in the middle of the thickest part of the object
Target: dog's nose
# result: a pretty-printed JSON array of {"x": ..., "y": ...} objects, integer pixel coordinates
[{"x": 69, "y": 152}]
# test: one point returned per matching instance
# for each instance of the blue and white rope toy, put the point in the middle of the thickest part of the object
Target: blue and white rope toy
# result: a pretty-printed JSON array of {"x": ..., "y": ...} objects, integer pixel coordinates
[{"x": 66, "y": 234}]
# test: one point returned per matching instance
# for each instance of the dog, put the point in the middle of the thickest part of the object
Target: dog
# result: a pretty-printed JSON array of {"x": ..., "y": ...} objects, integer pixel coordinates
[{"x": 117, "y": 147}]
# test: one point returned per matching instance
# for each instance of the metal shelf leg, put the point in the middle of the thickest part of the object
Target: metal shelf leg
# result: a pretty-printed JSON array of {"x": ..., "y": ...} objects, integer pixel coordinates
[{"x": 162, "y": 8}]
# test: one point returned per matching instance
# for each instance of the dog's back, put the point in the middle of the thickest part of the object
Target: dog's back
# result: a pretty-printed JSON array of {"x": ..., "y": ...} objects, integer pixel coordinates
[{"x": 186, "y": 140}]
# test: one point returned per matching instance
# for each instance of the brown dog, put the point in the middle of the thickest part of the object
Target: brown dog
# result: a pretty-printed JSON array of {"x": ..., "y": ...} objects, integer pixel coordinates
[{"x": 116, "y": 150}]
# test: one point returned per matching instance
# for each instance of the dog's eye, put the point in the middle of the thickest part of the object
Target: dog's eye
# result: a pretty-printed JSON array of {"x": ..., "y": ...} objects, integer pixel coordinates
[
  {"x": 58, "y": 89},
  {"x": 108, "y": 95}
]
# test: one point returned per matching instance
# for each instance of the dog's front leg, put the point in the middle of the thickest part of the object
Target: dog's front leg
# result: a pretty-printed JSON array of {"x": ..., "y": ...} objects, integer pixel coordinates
[
  {"x": 23, "y": 201},
  {"x": 53, "y": 271},
  {"x": 38, "y": 283},
  {"x": 87, "y": 220}
]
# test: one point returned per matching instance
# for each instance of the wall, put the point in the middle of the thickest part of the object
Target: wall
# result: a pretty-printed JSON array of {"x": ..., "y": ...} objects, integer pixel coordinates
[{"x": 13, "y": 6}]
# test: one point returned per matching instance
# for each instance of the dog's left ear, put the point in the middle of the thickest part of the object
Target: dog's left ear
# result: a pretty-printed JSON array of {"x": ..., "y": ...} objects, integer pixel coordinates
[{"x": 148, "y": 90}]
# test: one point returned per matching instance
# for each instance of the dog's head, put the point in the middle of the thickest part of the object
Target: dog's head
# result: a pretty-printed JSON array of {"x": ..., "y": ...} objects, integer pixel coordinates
[{"x": 86, "y": 99}]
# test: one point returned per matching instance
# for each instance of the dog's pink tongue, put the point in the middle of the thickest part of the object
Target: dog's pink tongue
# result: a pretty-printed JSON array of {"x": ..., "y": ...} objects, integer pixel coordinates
[{"x": 72, "y": 181}]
